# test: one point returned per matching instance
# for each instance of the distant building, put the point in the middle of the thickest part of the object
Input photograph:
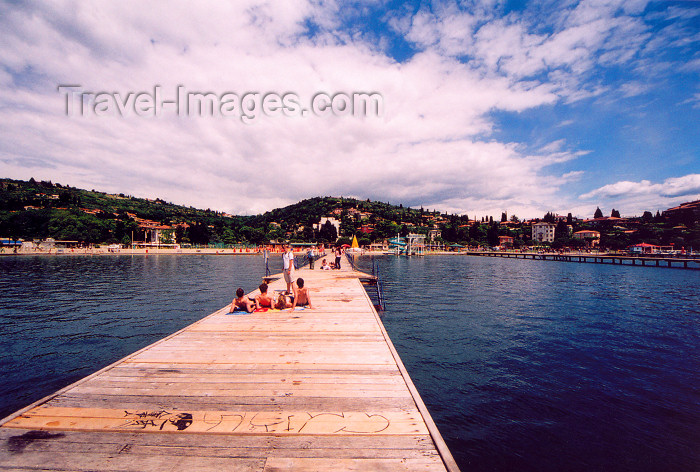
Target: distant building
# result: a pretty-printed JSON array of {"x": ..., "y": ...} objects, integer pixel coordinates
[
  {"x": 644, "y": 248},
  {"x": 433, "y": 234},
  {"x": 332, "y": 220},
  {"x": 505, "y": 241},
  {"x": 543, "y": 232},
  {"x": 592, "y": 238},
  {"x": 689, "y": 210}
]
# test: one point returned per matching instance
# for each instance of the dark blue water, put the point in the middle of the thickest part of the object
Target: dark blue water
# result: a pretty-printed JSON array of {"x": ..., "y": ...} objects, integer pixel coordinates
[
  {"x": 63, "y": 318},
  {"x": 550, "y": 366},
  {"x": 524, "y": 365}
]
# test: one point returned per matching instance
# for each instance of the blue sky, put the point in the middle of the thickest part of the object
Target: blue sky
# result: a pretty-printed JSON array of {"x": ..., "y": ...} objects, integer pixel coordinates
[{"x": 488, "y": 106}]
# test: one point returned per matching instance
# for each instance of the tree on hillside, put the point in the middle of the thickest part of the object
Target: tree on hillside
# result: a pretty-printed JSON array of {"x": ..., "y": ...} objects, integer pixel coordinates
[
  {"x": 328, "y": 232},
  {"x": 561, "y": 232},
  {"x": 598, "y": 213},
  {"x": 492, "y": 235},
  {"x": 615, "y": 213},
  {"x": 504, "y": 217}
]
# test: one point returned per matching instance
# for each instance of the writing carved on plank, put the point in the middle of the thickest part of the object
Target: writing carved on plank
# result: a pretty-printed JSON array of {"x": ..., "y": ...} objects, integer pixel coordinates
[{"x": 261, "y": 422}]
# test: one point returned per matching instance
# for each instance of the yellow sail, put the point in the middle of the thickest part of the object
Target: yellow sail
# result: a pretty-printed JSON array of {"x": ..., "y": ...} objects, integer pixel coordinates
[{"x": 354, "y": 242}]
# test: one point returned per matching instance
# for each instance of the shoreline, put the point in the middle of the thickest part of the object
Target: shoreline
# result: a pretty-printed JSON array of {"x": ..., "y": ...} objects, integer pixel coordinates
[{"x": 253, "y": 252}]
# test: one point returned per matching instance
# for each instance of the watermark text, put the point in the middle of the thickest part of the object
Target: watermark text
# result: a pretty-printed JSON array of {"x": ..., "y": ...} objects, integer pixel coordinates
[{"x": 247, "y": 107}]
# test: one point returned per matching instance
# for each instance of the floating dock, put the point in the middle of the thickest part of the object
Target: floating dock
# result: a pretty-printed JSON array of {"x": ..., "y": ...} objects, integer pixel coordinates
[{"x": 318, "y": 389}]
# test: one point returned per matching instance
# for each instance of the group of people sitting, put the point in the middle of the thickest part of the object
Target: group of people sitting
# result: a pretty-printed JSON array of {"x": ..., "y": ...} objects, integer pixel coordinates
[
  {"x": 325, "y": 266},
  {"x": 283, "y": 300}
]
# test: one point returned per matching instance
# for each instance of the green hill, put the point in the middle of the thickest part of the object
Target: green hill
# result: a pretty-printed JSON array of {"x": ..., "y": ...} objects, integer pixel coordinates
[{"x": 39, "y": 210}]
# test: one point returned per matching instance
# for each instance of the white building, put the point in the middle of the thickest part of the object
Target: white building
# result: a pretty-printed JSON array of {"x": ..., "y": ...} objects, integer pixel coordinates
[
  {"x": 332, "y": 220},
  {"x": 543, "y": 232}
]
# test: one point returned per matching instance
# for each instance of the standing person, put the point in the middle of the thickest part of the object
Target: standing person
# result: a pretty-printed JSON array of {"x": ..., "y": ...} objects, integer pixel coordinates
[
  {"x": 288, "y": 267},
  {"x": 337, "y": 257},
  {"x": 310, "y": 254}
]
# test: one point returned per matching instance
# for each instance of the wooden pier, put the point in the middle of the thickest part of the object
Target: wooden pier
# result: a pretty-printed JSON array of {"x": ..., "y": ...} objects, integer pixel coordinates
[
  {"x": 642, "y": 261},
  {"x": 310, "y": 390}
]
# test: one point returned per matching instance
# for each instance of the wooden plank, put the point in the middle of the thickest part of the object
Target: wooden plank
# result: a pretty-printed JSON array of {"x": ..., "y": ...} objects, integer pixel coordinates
[
  {"x": 239, "y": 422},
  {"x": 19, "y": 441},
  {"x": 257, "y": 403},
  {"x": 427, "y": 464}
]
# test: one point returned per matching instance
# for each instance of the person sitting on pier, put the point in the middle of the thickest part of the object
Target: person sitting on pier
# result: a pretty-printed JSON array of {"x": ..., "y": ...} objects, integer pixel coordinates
[
  {"x": 301, "y": 295},
  {"x": 324, "y": 265},
  {"x": 263, "y": 300},
  {"x": 282, "y": 302},
  {"x": 241, "y": 302}
]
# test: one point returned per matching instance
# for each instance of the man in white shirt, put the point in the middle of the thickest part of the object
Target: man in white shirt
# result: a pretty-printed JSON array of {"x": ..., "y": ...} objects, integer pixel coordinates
[{"x": 288, "y": 268}]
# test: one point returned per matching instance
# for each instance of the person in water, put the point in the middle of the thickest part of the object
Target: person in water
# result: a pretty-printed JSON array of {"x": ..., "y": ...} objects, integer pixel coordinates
[
  {"x": 301, "y": 295},
  {"x": 241, "y": 302},
  {"x": 263, "y": 300}
]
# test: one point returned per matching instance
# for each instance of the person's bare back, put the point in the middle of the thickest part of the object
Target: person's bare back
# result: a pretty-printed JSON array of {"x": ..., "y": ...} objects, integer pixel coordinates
[
  {"x": 264, "y": 300},
  {"x": 301, "y": 294}
]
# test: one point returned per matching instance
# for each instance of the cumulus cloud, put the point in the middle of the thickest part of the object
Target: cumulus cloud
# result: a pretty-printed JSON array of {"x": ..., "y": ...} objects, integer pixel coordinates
[
  {"x": 645, "y": 194},
  {"x": 431, "y": 146}
]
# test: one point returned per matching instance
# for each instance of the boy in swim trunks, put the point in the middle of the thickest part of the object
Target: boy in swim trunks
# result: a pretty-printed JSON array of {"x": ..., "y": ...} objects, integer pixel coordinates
[
  {"x": 241, "y": 302},
  {"x": 301, "y": 295}
]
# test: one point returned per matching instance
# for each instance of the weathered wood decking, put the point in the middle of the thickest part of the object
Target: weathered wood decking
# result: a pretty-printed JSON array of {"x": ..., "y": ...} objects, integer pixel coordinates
[{"x": 308, "y": 390}]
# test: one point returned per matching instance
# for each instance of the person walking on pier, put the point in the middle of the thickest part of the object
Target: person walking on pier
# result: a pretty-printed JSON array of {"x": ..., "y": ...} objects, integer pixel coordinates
[
  {"x": 311, "y": 255},
  {"x": 288, "y": 267}
]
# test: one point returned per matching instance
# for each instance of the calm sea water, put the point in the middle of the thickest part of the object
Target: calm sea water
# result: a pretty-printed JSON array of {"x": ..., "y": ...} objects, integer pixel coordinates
[{"x": 524, "y": 365}]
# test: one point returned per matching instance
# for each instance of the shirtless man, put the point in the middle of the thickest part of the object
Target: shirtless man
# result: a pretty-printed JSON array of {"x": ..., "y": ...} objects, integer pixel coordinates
[
  {"x": 301, "y": 295},
  {"x": 263, "y": 300},
  {"x": 242, "y": 302}
]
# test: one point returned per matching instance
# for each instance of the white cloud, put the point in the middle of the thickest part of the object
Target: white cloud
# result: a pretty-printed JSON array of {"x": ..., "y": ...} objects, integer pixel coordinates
[
  {"x": 636, "y": 197},
  {"x": 432, "y": 146}
]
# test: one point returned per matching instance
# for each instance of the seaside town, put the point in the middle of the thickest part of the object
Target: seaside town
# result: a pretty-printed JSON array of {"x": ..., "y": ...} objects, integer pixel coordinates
[{"x": 47, "y": 218}]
